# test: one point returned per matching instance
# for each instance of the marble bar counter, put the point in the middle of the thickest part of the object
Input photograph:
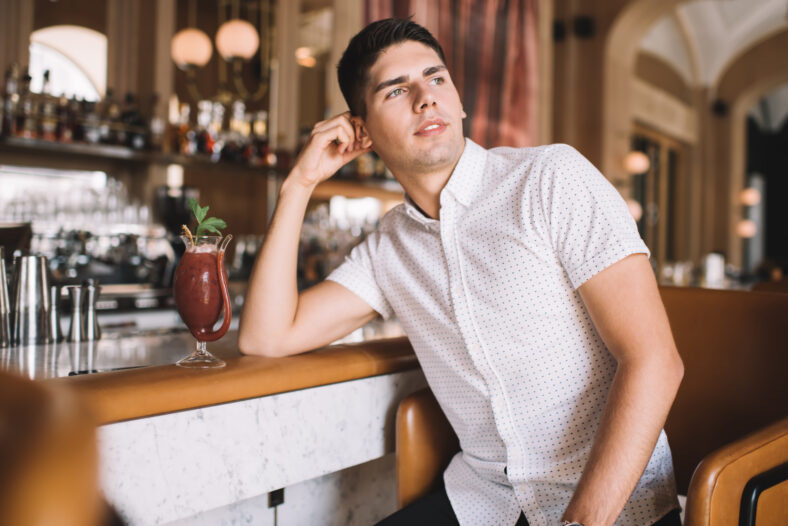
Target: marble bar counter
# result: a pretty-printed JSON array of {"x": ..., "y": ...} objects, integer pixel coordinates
[{"x": 191, "y": 447}]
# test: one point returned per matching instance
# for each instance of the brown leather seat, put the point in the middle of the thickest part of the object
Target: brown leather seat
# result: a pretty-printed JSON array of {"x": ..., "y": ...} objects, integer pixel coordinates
[
  {"x": 772, "y": 286},
  {"x": 735, "y": 353},
  {"x": 425, "y": 443},
  {"x": 48, "y": 457}
]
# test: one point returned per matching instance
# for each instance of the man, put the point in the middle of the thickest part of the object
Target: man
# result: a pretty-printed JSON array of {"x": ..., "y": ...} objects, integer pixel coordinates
[{"x": 522, "y": 283}]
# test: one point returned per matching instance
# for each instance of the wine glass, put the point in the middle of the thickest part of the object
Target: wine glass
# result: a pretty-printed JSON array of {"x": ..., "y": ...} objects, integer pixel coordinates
[{"x": 200, "y": 288}]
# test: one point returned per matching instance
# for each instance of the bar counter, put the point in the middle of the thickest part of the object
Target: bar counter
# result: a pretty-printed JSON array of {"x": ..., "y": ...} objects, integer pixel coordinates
[
  {"x": 205, "y": 446},
  {"x": 139, "y": 392}
]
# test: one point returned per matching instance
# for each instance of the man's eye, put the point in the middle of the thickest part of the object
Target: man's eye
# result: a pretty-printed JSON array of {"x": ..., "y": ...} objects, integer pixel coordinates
[
  {"x": 437, "y": 80},
  {"x": 394, "y": 93}
]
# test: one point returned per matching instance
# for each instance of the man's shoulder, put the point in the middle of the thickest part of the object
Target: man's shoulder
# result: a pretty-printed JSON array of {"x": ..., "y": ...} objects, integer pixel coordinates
[
  {"x": 527, "y": 154},
  {"x": 530, "y": 163},
  {"x": 393, "y": 220}
]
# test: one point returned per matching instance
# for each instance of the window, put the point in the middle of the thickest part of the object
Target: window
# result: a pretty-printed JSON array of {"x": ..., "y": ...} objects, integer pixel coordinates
[{"x": 76, "y": 58}]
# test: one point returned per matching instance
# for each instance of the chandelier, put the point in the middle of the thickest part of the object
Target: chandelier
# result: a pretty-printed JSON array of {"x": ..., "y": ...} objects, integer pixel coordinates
[{"x": 237, "y": 41}]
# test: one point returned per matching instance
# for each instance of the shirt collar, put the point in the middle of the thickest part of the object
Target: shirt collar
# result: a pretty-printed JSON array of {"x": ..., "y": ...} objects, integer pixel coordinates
[{"x": 466, "y": 179}]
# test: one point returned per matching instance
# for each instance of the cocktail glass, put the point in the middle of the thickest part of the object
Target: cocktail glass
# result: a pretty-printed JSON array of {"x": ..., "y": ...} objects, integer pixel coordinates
[{"x": 200, "y": 288}]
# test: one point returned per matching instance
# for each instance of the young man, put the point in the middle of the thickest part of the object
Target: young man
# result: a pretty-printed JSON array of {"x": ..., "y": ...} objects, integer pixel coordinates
[{"x": 522, "y": 284}]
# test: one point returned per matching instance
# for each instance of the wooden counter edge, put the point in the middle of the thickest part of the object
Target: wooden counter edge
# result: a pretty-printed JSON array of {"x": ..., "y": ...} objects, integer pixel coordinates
[{"x": 136, "y": 393}]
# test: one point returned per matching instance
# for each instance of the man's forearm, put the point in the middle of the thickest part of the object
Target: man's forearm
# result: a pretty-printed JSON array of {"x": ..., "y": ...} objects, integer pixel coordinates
[
  {"x": 638, "y": 403},
  {"x": 272, "y": 296}
]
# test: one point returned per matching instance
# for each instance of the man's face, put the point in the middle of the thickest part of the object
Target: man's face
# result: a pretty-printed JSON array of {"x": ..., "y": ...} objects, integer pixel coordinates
[{"x": 414, "y": 115}]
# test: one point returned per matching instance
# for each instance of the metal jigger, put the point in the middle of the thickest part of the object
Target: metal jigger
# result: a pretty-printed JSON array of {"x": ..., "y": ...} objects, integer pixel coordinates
[
  {"x": 91, "y": 291},
  {"x": 77, "y": 327}
]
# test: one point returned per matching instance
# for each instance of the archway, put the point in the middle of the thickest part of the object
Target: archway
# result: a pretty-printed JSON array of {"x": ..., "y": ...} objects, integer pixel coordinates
[
  {"x": 621, "y": 51},
  {"x": 753, "y": 73}
]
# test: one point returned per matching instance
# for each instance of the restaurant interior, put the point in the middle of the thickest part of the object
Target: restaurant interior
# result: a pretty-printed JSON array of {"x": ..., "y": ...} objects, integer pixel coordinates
[{"x": 115, "y": 113}]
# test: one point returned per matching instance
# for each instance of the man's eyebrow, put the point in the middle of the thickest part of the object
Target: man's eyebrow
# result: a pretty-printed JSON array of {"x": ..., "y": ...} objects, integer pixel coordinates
[
  {"x": 386, "y": 83},
  {"x": 404, "y": 78},
  {"x": 433, "y": 69}
]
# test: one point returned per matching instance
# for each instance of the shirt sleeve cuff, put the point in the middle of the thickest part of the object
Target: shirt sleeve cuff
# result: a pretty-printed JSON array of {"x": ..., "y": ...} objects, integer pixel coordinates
[{"x": 591, "y": 268}]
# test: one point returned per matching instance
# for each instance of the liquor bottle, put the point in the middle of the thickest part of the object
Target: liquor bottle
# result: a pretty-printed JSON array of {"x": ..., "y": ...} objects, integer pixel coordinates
[
  {"x": 186, "y": 137},
  {"x": 136, "y": 126},
  {"x": 205, "y": 141},
  {"x": 91, "y": 122},
  {"x": 11, "y": 100},
  {"x": 47, "y": 111},
  {"x": 26, "y": 117},
  {"x": 64, "y": 130},
  {"x": 156, "y": 125},
  {"x": 109, "y": 118},
  {"x": 77, "y": 119}
]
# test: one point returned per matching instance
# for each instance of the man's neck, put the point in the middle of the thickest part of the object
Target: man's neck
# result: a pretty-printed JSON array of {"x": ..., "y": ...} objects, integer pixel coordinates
[{"x": 425, "y": 188}]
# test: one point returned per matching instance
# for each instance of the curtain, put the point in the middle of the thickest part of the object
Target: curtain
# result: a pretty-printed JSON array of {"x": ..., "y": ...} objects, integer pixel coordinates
[{"x": 490, "y": 48}]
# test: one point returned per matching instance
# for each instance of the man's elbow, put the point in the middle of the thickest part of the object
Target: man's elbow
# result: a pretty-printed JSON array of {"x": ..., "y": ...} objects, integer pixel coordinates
[
  {"x": 254, "y": 345},
  {"x": 677, "y": 369}
]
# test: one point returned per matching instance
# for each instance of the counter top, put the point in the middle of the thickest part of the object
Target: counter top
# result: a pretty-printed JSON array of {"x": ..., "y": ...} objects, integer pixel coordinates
[
  {"x": 137, "y": 377},
  {"x": 134, "y": 393}
]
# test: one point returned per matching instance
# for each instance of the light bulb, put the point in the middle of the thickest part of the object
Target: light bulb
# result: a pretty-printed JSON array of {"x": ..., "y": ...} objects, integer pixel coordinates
[
  {"x": 637, "y": 162},
  {"x": 750, "y": 196},
  {"x": 190, "y": 47},
  {"x": 237, "y": 39},
  {"x": 746, "y": 228}
]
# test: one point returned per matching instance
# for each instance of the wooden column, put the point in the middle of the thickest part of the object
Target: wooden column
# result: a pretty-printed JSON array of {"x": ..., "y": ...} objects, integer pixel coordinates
[
  {"x": 16, "y": 24},
  {"x": 123, "y": 26},
  {"x": 284, "y": 76},
  {"x": 347, "y": 22}
]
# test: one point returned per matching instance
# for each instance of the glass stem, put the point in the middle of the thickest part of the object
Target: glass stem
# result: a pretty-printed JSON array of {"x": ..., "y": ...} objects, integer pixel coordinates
[{"x": 202, "y": 347}]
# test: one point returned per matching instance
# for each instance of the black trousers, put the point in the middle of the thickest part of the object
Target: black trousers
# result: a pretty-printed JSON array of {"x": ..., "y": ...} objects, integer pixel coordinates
[{"x": 435, "y": 510}]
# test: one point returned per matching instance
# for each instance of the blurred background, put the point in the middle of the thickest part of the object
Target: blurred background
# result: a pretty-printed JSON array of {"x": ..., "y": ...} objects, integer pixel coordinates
[{"x": 115, "y": 112}]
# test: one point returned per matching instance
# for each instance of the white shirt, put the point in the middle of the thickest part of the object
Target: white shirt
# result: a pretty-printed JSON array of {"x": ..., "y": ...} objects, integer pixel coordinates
[{"x": 487, "y": 296}]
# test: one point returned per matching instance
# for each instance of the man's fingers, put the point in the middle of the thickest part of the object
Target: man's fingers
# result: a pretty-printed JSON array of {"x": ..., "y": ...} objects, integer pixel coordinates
[
  {"x": 337, "y": 135},
  {"x": 342, "y": 119}
]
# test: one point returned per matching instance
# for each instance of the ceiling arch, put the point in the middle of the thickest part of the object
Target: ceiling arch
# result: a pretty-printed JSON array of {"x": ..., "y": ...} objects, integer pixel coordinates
[{"x": 716, "y": 32}]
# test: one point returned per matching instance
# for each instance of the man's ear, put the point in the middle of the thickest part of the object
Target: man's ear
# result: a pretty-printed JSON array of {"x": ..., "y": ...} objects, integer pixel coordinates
[
  {"x": 362, "y": 135},
  {"x": 464, "y": 115}
]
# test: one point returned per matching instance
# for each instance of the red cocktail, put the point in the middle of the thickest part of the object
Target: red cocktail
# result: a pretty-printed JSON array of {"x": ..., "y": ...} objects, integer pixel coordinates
[{"x": 200, "y": 288}]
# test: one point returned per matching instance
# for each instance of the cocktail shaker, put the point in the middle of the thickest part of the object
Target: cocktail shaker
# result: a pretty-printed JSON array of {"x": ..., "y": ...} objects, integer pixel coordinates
[
  {"x": 31, "y": 301},
  {"x": 5, "y": 305}
]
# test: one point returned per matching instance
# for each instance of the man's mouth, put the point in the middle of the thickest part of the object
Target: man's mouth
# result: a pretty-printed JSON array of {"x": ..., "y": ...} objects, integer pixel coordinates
[{"x": 431, "y": 127}]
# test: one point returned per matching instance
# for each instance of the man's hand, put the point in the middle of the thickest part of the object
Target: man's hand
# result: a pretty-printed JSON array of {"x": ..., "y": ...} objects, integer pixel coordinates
[
  {"x": 276, "y": 320},
  {"x": 332, "y": 144}
]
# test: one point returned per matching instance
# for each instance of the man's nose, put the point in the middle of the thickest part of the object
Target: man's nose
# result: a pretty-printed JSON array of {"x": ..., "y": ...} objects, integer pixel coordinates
[{"x": 424, "y": 99}]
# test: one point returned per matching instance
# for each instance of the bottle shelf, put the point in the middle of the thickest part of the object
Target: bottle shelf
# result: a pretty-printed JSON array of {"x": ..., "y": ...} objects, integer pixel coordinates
[
  {"x": 104, "y": 152},
  {"x": 385, "y": 190}
]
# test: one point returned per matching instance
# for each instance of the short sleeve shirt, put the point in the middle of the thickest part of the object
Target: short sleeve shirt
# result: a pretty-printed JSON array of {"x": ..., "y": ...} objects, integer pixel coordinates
[{"x": 488, "y": 297}]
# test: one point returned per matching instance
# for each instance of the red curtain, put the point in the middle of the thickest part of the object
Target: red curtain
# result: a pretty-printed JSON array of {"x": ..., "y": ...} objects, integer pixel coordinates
[{"x": 490, "y": 48}]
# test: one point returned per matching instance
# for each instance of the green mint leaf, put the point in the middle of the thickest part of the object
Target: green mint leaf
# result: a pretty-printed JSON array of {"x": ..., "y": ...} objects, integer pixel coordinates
[
  {"x": 215, "y": 221},
  {"x": 203, "y": 230},
  {"x": 204, "y": 225},
  {"x": 211, "y": 224},
  {"x": 198, "y": 211}
]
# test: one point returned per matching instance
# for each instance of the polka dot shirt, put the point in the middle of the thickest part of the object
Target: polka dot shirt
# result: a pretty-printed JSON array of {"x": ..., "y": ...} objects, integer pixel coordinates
[{"x": 488, "y": 297}]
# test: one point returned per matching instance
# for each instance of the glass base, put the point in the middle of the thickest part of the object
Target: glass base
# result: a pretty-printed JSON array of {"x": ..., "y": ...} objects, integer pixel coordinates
[{"x": 201, "y": 359}]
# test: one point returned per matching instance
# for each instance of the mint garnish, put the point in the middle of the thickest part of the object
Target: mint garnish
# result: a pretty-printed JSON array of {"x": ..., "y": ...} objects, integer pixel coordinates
[{"x": 205, "y": 224}]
